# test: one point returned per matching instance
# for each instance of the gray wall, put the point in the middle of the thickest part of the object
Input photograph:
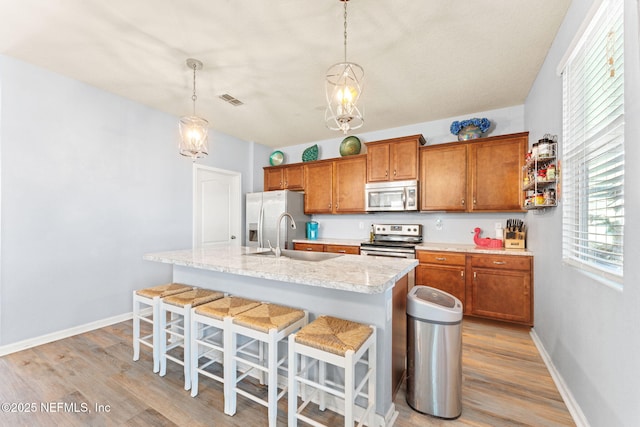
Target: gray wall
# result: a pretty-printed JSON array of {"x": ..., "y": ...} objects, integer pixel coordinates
[
  {"x": 590, "y": 329},
  {"x": 89, "y": 182}
]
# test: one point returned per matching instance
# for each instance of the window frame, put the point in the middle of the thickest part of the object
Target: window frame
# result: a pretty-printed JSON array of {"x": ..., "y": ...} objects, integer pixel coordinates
[{"x": 578, "y": 203}]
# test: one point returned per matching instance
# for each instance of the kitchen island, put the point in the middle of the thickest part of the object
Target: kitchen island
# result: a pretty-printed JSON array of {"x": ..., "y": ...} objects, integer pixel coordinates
[{"x": 370, "y": 290}]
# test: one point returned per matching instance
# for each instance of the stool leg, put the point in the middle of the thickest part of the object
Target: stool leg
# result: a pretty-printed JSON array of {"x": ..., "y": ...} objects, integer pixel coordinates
[
  {"x": 229, "y": 367},
  {"x": 186, "y": 358},
  {"x": 155, "y": 307},
  {"x": 162, "y": 337},
  {"x": 292, "y": 396},
  {"x": 372, "y": 381},
  {"x": 322, "y": 375},
  {"x": 272, "y": 364},
  {"x": 349, "y": 385},
  {"x": 136, "y": 328},
  {"x": 195, "y": 353}
]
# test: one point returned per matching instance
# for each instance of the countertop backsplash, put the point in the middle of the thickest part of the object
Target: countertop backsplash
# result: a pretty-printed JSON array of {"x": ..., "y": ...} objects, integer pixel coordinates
[{"x": 437, "y": 227}]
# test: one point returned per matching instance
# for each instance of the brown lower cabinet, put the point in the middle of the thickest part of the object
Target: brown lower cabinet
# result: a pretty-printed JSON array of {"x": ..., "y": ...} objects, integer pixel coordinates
[
  {"x": 319, "y": 247},
  {"x": 491, "y": 286}
]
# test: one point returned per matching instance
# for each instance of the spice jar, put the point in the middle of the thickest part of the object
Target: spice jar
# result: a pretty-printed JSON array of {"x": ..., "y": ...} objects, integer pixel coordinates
[
  {"x": 544, "y": 148},
  {"x": 551, "y": 172}
]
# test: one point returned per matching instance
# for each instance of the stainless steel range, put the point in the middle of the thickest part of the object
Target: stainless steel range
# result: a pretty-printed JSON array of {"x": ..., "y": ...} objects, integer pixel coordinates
[{"x": 393, "y": 240}]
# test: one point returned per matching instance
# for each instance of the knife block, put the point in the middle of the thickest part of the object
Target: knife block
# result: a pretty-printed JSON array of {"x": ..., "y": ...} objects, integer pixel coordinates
[{"x": 514, "y": 239}]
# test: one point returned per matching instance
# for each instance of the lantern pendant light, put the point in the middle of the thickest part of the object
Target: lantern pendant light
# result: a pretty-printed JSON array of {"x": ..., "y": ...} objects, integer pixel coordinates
[
  {"x": 343, "y": 87},
  {"x": 194, "y": 129}
]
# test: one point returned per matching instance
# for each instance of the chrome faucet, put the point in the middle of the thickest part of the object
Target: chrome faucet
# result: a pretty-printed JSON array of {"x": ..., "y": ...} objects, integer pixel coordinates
[{"x": 278, "y": 251}]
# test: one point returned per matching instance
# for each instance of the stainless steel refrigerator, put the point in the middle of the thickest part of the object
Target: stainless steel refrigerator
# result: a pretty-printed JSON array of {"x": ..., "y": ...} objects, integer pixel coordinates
[{"x": 263, "y": 210}]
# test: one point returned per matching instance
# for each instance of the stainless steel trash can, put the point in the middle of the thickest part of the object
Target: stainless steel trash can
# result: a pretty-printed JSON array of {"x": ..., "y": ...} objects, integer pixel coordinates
[{"x": 434, "y": 352}]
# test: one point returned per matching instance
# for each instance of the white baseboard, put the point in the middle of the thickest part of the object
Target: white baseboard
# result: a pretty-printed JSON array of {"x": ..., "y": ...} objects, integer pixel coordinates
[
  {"x": 565, "y": 392},
  {"x": 54, "y": 336}
]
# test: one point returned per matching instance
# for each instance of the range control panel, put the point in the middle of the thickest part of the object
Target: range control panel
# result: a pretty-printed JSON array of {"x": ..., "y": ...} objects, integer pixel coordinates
[{"x": 414, "y": 230}]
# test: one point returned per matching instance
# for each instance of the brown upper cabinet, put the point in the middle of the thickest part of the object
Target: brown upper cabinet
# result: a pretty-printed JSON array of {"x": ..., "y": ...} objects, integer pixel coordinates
[
  {"x": 482, "y": 175},
  {"x": 393, "y": 159},
  {"x": 289, "y": 177},
  {"x": 335, "y": 186}
]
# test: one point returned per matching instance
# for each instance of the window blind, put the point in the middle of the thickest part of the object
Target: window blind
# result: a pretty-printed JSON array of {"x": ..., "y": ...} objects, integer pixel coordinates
[{"x": 593, "y": 135}]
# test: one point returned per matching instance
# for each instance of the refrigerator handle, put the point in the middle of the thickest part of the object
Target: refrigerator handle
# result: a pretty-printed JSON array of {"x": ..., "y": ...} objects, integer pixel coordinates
[{"x": 260, "y": 218}]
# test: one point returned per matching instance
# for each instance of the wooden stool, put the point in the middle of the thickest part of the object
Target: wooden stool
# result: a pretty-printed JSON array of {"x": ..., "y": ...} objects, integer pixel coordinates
[
  {"x": 341, "y": 343},
  {"x": 208, "y": 323},
  {"x": 178, "y": 330},
  {"x": 151, "y": 297},
  {"x": 267, "y": 324}
]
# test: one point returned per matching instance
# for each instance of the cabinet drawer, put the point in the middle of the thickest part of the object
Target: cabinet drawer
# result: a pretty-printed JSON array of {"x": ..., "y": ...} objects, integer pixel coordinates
[
  {"x": 314, "y": 247},
  {"x": 507, "y": 262},
  {"x": 448, "y": 258},
  {"x": 343, "y": 249}
]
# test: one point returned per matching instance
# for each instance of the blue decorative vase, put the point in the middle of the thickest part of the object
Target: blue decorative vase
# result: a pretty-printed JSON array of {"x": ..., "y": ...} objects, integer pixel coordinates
[{"x": 469, "y": 132}]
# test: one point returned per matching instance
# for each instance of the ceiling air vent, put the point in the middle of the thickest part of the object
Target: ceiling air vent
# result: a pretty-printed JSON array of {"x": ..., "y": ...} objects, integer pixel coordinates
[{"x": 230, "y": 99}]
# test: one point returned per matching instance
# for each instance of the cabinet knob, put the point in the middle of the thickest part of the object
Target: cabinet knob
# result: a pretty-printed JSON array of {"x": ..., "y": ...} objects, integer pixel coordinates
[
  {"x": 462, "y": 202},
  {"x": 474, "y": 201},
  {"x": 441, "y": 258},
  {"x": 386, "y": 173},
  {"x": 499, "y": 262},
  {"x": 461, "y": 273},
  {"x": 309, "y": 249},
  {"x": 394, "y": 172}
]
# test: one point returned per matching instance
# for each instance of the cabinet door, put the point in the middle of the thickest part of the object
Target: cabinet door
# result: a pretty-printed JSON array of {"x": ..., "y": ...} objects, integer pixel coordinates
[
  {"x": 443, "y": 178},
  {"x": 502, "y": 294},
  {"x": 294, "y": 177},
  {"x": 404, "y": 160},
  {"x": 350, "y": 178},
  {"x": 449, "y": 279},
  {"x": 495, "y": 174},
  {"x": 273, "y": 179},
  {"x": 378, "y": 157},
  {"x": 318, "y": 184}
]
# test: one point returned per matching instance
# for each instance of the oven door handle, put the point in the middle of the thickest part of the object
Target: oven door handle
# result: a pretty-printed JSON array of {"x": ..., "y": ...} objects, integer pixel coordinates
[{"x": 368, "y": 252}]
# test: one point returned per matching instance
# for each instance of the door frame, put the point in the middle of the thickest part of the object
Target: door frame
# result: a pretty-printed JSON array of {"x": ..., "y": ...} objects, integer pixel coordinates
[{"x": 235, "y": 202}]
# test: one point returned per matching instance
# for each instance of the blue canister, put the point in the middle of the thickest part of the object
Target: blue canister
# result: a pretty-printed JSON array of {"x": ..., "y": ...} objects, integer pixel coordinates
[{"x": 312, "y": 230}]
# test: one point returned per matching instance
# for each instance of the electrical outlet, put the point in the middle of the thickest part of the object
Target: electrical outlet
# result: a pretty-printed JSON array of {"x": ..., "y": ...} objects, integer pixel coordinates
[
  {"x": 361, "y": 225},
  {"x": 498, "y": 225},
  {"x": 439, "y": 224}
]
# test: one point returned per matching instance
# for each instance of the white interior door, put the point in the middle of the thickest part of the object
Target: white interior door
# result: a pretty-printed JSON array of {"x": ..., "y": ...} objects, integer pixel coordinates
[{"x": 217, "y": 207}]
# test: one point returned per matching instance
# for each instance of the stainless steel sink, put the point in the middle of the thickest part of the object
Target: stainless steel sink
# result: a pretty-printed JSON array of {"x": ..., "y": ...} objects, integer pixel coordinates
[{"x": 299, "y": 255}]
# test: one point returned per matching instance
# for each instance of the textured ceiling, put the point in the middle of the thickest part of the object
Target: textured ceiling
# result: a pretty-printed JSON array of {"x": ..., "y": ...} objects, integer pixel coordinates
[{"x": 423, "y": 60}]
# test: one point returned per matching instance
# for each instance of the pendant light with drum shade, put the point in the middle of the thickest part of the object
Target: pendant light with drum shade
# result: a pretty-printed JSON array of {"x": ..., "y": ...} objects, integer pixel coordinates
[
  {"x": 194, "y": 129},
  {"x": 343, "y": 87}
]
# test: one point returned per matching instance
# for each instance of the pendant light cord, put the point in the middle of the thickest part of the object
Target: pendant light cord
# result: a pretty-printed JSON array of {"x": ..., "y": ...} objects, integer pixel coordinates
[
  {"x": 194, "y": 97},
  {"x": 345, "y": 29}
]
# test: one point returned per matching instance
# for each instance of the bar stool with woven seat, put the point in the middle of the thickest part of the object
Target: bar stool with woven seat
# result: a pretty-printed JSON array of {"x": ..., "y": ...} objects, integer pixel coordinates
[
  {"x": 208, "y": 322},
  {"x": 341, "y": 343},
  {"x": 178, "y": 330},
  {"x": 266, "y": 324},
  {"x": 151, "y": 297}
]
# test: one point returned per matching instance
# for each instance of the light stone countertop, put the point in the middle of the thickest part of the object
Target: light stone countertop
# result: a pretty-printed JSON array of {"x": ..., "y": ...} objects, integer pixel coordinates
[
  {"x": 468, "y": 248},
  {"x": 353, "y": 273}
]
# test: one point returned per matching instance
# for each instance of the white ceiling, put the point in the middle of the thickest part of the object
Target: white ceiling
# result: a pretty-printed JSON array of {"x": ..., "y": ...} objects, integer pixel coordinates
[{"x": 423, "y": 60}]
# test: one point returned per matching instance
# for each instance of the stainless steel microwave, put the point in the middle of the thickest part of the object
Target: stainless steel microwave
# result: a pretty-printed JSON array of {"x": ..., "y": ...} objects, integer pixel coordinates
[{"x": 392, "y": 196}]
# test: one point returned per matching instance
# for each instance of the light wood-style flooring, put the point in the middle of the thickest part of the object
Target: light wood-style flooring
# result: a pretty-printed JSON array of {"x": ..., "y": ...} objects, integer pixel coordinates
[{"x": 91, "y": 380}]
